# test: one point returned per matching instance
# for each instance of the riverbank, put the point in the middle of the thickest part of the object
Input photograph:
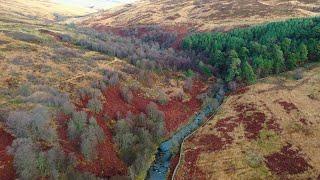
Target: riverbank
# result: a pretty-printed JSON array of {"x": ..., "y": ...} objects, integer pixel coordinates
[{"x": 160, "y": 168}]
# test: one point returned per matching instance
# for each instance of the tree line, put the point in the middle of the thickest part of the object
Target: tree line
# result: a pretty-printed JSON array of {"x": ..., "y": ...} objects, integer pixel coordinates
[{"x": 255, "y": 52}]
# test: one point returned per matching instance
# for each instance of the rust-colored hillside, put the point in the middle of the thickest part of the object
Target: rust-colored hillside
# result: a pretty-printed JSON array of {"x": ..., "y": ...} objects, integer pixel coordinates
[{"x": 266, "y": 131}]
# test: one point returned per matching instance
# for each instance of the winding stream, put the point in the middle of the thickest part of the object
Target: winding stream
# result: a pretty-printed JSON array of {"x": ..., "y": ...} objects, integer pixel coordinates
[{"x": 160, "y": 167}]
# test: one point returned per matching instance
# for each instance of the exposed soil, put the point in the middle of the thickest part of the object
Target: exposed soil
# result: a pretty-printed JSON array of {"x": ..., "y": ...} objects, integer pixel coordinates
[
  {"x": 7, "y": 171},
  {"x": 287, "y": 161}
]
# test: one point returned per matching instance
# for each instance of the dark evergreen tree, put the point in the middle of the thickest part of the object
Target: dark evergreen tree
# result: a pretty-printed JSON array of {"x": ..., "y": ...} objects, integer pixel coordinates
[{"x": 247, "y": 73}]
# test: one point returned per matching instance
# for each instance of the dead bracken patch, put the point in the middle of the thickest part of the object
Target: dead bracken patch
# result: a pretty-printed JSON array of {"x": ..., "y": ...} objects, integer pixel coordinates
[
  {"x": 304, "y": 121},
  {"x": 288, "y": 106},
  {"x": 173, "y": 163},
  {"x": 212, "y": 142},
  {"x": 287, "y": 161},
  {"x": 176, "y": 112},
  {"x": 226, "y": 125},
  {"x": 206, "y": 143},
  {"x": 6, "y": 161},
  {"x": 253, "y": 124},
  {"x": 240, "y": 91},
  {"x": 254, "y": 120},
  {"x": 192, "y": 170},
  {"x": 241, "y": 108},
  {"x": 108, "y": 164}
]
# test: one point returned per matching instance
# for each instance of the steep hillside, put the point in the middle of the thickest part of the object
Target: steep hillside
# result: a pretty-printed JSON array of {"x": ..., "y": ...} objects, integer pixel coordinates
[
  {"x": 37, "y": 11},
  {"x": 269, "y": 130},
  {"x": 76, "y": 109},
  {"x": 203, "y": 15}
]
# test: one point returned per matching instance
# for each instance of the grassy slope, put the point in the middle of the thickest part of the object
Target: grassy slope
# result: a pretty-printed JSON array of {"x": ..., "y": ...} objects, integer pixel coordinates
[
  {"x": 36, "y": 11},
  {"x": 269, "y": 130},
  {"x": 42, "y": 58},
  {"x": 204, "y": 15}
]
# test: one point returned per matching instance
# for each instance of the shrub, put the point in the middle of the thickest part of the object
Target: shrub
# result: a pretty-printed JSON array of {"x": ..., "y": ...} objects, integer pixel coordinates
[
  {"x": 32, "y": 78},
  {"x": 189, "y": 73},
  {"x": 95, "y": 105},
  {"x": 77, "y": 124},
  {"x": 232, "y": 85},
  {"x": 156, "y": 118},
  {"x": 154, "y": 112},
  {"x": 47, "y": 96},
  {"x": 125, "y": 140},
  {"x": 19, "y": 123},
  {"x": 90, "y": 138},
  {"x": 24, "y": 37},
  {"x": 68, "y": 108},
  {"x": 35, "y": 124},
  {"x": 163, "y": 98},
  {"x": 22, "y": 61},
  {"x": 64, "y": 52},
  {"x": 89, "y": 93},
  {"x": 65, "y": 37},
  {"x": 41, "y": 127},
  {"x": 126, "y": 94},
  {"x": 146, "y": 78},
  {"x": 114, "y": 79},
  {"x": 188, "y": 84},
  {"x": 25, "y": 154},
  {"x": 298, "y": 74},
  {"x": 42, "y": 164},
  {"x": 59, "y": 164},
  {"x": 99, "y": 85}
]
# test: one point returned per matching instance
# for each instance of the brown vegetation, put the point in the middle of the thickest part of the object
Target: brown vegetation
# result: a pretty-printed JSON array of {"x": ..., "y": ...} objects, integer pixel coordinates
[
  {"x": 202, "y": 15},
  {"x": 259, "y": 134}
]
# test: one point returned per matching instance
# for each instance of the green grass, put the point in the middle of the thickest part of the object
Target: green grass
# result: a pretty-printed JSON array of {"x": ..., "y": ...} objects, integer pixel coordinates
[{"x": 269, "y": 141}]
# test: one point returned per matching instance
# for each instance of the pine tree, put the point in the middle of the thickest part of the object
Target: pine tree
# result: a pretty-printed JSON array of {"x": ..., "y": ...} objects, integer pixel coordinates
[
  {"x": 278, "y": 59},
  {"x": 234, "y": 64},
  {"x": 303, "y": 53},
  {"x": 247, "y": 73}
]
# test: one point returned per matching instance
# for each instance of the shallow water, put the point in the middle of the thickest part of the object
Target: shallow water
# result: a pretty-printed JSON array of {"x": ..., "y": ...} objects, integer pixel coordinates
[{"x": 160, "y": 167}]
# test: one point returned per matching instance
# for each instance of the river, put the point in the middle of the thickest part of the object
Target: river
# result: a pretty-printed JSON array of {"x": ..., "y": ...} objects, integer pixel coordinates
[{"x": 160, "y": 167}]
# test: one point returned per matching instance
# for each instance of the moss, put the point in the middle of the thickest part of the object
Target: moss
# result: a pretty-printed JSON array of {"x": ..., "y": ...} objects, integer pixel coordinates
[
  {"x": 258, "y": 170},
  {"x": 254, "y": 159},
  {"x": 269, "y": 141}
]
